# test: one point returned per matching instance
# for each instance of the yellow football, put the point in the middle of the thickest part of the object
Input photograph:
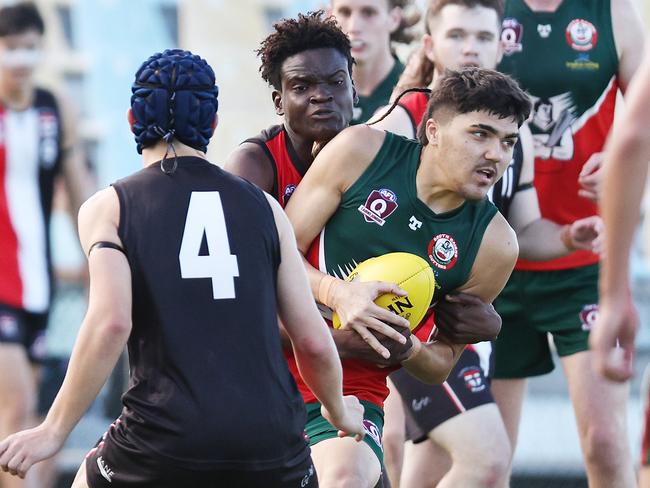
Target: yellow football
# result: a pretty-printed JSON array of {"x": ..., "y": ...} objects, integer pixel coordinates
[{"x": 410, "y": 272}]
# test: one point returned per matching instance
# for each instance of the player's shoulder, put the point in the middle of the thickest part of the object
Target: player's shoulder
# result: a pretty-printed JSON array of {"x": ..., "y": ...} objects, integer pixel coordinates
[
  {"x": 359, "y": 140},
  {"x": 253, "y": 161},
  {"x": 500, "y": 240}
]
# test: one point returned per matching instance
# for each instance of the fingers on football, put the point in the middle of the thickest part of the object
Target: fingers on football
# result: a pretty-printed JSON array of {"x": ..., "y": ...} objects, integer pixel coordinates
[{"x": 382, "y": 287}]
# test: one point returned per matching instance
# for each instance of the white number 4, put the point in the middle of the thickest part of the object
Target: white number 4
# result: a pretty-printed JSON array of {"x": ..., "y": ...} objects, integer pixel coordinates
[{"x": 205, "y": 217}]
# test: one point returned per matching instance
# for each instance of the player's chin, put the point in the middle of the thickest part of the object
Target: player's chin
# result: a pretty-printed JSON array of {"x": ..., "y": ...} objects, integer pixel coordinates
[
  {"x": 475, "y": 193},
  {"x": 326, "y": 131}
]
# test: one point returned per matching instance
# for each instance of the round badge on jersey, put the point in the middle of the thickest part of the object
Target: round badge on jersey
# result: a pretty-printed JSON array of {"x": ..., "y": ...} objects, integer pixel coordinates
[
  {"x": 581, "y": 35},
  {"x": 511, "y": 34},
  {"x": 443, "y": 251}
]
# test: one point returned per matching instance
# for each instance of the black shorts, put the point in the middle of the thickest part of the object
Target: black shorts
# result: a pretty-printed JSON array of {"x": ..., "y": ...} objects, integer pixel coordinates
[
  {"x": 25, "y": 328},
  {"x": 119, "y": 464},
  {"x": 428, "y": 406}
]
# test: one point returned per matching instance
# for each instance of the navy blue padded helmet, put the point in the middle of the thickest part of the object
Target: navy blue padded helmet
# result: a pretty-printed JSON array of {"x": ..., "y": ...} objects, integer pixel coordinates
[{"x": 174, "y": 96}]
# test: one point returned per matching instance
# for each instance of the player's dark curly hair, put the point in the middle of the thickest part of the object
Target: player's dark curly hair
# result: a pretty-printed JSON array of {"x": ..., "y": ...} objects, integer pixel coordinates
[
  {"x": 174, "y": 96},
  {"x": 20, "y": 18},
  {"x": 292, "y": 36},
  {"x": 477, "y": 89}
]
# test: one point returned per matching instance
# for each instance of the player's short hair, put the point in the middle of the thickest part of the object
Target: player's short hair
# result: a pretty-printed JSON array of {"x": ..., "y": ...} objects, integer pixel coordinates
[
  {"x": 174, "y": 96},
  {"x": 20, "y": 18},
  {"x": 476, "y": 89},
  {"x": 435, "y": 6},
  {"x": 292, "y": 36}
]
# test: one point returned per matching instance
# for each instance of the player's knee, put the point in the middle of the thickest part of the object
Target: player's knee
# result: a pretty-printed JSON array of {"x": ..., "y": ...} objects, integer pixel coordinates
[
  {"x": 603, "y": 448},
  {"x": 490, "y": 468},
  {"x": 393, "y": 444}
]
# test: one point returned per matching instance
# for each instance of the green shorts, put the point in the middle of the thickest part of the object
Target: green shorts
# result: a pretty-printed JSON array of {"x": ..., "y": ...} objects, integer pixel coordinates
[
  {"x": 318, "y": 429},
  {"x": 535, "y": 303}
]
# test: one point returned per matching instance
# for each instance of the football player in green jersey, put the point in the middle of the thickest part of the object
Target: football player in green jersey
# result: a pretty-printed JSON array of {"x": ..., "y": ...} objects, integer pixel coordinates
[
  {"x": 433, "y": 193},
  {"x": 372, "y": 26}
]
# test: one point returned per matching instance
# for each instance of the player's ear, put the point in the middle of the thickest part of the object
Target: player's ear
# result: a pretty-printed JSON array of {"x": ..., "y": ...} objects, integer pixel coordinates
[
  {"x": 130, "y": 118},
  {"x": 427, "y": 43},
  {"x": 395, "y": 17},
  {"x": 277, "y": 102},
  {"x": 432, "y": 130},
  {"x": 215, "y": 122}
]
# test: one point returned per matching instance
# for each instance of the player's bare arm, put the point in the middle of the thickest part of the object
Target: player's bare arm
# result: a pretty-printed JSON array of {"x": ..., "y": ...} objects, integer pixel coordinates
[
  {"x": 102, "y": 337},
  {"x": 542, "y": 239},
  {"x": 397, "y": 121},
  {"x": 494, "y": 262},
  {"x": 629, "y": 36},
  {"x": 316, "y": 199},
  {"x": 313, "y": 346},
  {"x": 75, "y": 172},
  {"x": 625, "y": 170},
  {"x": 250, "y": 162}
]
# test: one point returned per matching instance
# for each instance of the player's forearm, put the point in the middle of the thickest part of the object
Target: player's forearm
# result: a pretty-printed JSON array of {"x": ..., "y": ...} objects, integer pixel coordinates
[
  {"x": 542, "y": 240},
  {"x": 322, "y": 285},
  {"x": 94, "y": 356},
  {"x": 433, "y": 362},
  {"x": 320, "y": 367}
]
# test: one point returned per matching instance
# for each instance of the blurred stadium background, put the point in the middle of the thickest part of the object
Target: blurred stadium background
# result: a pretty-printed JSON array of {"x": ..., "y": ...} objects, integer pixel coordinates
[{"x": 93, "y": 47}]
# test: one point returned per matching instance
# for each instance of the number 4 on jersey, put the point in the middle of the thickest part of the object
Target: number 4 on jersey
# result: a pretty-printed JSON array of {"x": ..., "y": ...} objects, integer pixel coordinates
[{"x": 205, "y": 217}]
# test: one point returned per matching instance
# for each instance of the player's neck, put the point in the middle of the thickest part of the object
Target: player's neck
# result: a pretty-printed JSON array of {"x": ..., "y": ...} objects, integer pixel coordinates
[
  {"x": 543, "y": 5},
  {"x": 432, "y": 186},
  {"x": 370, "y": 74},
  {"x": 156, "y": 153},
  {"x": 303, "y": 148},
  {"x": 16, "y": 97}
]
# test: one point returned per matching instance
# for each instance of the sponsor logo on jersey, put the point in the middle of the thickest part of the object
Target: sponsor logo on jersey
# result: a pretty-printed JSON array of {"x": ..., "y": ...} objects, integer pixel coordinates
[
  {"x": 106, "y": 472},
  {"x": 379, "y": 205},
  {"x": 544, "y": 30},
  {"x": 288, "y": 191},
  {"x": 418, "y": 405},
  {"x": 511, "y": 33},
  {"x": 371, "y": 430},
  {"x": 307, "y": 478},
  {"x": 582, "y": 62},
  {"x": 443, "y": 251},
  {"x": 8, "y": 326},
  {"x": 581, "y": 35},
  {"x": 473, "y": 379},
  {"x": 414, "y": 224},
  {"x": 588, "y": 316}
]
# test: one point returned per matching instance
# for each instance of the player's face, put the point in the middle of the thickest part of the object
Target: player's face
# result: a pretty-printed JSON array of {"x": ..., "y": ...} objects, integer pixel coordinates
[
  {"x": 19, "y": 55},
  {"x": 317, "y": 94},
  {"x": 368, "y": 24},
  {"x": 473, "y": 150},
  {"x": 462, "y": 37}
]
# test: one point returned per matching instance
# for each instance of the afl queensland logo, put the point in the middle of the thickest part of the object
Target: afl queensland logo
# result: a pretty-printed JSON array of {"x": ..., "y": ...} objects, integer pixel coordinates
[
  {"x": 379, "y": 205},
  {"x": 288, "y": 191},
  {"x": 443, "y": 251},
  {"x": 581, "y": 35}
]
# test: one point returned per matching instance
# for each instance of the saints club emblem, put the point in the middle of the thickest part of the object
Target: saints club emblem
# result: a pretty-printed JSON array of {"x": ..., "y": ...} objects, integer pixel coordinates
[
  {"x": 379, "y": 205},
  {"x": 443, "y": 251},
  {"x": 581, "y": 35},
  {"x": 473, "y": 379},
  {"x": 286, "y": 194}
]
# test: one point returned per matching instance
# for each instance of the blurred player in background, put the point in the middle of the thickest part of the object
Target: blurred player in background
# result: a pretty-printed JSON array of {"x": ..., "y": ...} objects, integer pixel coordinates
[
  {"x": 38, "y": 144},
  {"x": 373, "y": 26},
  {"x": 624, "y": 179},
  {"x": 187, "y": 264},
  {"x": 572, "y": 57}
]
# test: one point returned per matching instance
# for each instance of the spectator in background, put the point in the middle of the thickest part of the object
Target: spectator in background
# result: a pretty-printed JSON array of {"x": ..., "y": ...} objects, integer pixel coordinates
[
  {"x": 38, "y": 144},
  {"x": 372, "y": 26}
]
